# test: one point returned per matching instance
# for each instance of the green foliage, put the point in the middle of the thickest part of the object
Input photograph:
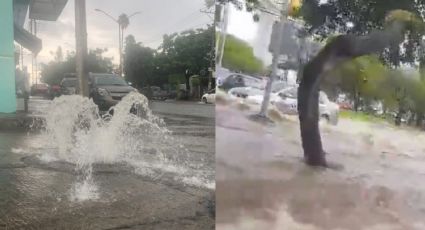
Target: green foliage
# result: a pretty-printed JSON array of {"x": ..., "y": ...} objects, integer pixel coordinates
[
  {"x": 176, "y": 79},
  {"x": 238, "y": 55},
  {"x": 359, "y": 116},
  {"x": 362, "y": 16},
  {"x": 53, "y": 72},
  {"x": 250, "y": 6},
  {"x": 360, "y": 77},
  {"x": 139, "y": 63},
  {"x": 190, "y": 50},
  {"x": 195, "y": 80}
]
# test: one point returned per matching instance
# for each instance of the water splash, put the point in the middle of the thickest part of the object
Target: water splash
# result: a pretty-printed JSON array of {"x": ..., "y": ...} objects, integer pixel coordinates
[{"x": 76, "y": 133}]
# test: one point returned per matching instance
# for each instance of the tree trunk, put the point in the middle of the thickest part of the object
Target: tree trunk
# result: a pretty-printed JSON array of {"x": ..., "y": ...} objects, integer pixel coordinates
[
  {"x": 397, "y": 121},
  {"x": 399, "y": 114},
  {"x": 419, "y": 119},
  {"x": 308, "y": 109},
  {"x": 356, "y": 101},
  {"x": 341, "y": 49},
  {"x": 411, "y": 118}
]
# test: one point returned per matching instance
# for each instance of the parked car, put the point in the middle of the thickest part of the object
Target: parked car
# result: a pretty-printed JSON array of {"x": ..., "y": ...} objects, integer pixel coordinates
[
  {"x": 345, "y": 105},
  {"x": 220, "y": 75},
  {"x": 54, "y": 91},
  {"x": 244, "y": 92},
  {"x": 209, "y": 97},
  {"x": 40, "y": 89},
  {"x": 250, "y": 95},
  {"x": 108, "y": 89},
  {"x": 158, "y": 93},
  {"x": 287, "y": 103},
  {"x": 172, "y": 94},
  {"x": 233, "y": 80},
  {"x": 155, "y": 92},
  {"x": 68, "y": 86}
]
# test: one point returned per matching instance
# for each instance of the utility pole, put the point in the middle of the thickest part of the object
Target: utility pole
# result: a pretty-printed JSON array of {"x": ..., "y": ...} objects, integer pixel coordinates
[
  {"x": 34, "y": 69},
  {"x": 35, "y": 58},
  {"x": 223, "y": 33},
  {"x": 213, "y": 49},
  {"x": 81, "y": 46},
  {"x": 275, "y": 62},
  {"x": 22, "y": 58},
  {"x": 121, "y": 69}
]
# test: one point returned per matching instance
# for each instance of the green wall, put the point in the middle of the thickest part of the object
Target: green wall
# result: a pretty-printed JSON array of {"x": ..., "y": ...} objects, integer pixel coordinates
[{"x": 7, "y": 59}]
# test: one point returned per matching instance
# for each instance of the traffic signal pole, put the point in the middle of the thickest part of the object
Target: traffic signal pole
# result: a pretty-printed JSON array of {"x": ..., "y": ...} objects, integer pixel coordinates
[{"x": 276, "y": 53}]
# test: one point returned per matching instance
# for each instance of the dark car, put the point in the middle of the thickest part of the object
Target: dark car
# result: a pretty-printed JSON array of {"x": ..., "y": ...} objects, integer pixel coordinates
[
  {"x": 68, "y": 86},
  {"x": 108, "y": 89},
  {"x": 40, "y": 89},
  {"x": 54, "y": 91},
  {"x": 155, "y": 93},
  {"x": 234, "y": 80}
]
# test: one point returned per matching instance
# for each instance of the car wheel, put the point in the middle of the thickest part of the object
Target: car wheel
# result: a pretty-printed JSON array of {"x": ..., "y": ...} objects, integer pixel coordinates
[{"x": 324, "y": 119}]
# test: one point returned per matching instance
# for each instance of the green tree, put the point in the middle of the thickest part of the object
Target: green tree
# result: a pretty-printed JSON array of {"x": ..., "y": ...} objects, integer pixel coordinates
[
  {"x": 359, "y": 17},
  {"x": 53, "y": 72},
  {"x": 360, "y": 78},
  {"x": 239, "y": 56},
  {"x": 139, "y": 64}
]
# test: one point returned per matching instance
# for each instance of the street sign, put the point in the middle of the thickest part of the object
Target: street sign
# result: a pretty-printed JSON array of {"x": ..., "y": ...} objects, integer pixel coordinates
[{"x": 289, "y": 45}]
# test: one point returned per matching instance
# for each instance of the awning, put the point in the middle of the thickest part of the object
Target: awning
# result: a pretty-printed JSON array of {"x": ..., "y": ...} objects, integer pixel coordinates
[
  {"x": 47, "y": 10},
  {"x": 27, "y": 40}
]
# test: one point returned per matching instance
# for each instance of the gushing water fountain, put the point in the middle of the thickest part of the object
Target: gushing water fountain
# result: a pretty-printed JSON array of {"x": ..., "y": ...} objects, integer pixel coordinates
[{"x": 78, "y": 134}]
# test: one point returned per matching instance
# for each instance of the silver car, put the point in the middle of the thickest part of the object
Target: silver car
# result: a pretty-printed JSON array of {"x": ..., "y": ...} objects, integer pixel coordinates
[{"x": 286, "y": 102}]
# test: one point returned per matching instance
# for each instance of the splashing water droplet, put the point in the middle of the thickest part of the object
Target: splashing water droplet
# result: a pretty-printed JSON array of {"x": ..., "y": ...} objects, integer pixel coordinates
[{"x": 77, "y": 133}]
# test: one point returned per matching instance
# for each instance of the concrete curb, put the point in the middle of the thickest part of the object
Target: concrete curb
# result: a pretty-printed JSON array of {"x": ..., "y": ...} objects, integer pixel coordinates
[{"x": 20, "y": 122}]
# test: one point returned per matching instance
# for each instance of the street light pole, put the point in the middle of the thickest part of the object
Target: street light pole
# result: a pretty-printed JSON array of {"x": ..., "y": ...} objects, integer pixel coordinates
[{"x": 120, "y": 37}]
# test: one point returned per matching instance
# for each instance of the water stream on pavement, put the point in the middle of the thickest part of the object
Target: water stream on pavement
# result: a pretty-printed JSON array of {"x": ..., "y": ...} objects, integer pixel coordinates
[{"x": 380, "y": 184}]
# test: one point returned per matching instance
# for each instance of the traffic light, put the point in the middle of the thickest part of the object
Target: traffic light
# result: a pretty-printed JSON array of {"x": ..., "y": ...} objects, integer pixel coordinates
[{"x": 294, "y": 7}]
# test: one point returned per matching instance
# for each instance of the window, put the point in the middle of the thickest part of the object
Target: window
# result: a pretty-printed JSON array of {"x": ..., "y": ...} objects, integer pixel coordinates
[
  {"x": 69, "y": 83},
  {"x": 109, "y": 80}
]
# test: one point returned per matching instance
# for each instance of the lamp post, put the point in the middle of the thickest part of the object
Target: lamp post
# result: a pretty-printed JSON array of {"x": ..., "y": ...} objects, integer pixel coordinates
[{"x": 123, "y": 22}]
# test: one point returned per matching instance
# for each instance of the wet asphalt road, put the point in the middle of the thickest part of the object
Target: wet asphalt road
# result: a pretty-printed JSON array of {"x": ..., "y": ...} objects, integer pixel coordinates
[
  {"x": 184, "y": 108},
  {"x": 36, "y": 196}
]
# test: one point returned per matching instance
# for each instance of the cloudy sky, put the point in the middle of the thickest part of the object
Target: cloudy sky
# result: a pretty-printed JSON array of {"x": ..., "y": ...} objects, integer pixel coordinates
[{"x": 157, "y": 18}]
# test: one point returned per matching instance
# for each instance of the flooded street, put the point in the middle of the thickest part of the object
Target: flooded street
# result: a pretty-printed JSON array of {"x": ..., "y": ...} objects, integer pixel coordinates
[
  {"x": 117, "y": 183},
  {"x": 262, "y": 182}
]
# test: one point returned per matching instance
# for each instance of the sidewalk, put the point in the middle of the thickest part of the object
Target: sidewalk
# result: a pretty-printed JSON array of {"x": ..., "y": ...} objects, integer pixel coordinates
[{"x": 21, "y": 120}]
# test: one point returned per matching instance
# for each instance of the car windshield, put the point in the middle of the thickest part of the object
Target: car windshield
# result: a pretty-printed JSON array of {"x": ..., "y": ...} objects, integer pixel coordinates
[
  {"x": 277, "y": 86},
  {"x": 69, "y": 83},
  {"x": 109, "y": 80}
]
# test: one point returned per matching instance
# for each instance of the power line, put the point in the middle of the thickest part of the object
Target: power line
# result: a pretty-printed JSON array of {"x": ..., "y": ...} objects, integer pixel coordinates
[
  {"x": 175, "y": 24},
  {"x": 187, "y": 25},
  {"x": 192, "y": 27}
]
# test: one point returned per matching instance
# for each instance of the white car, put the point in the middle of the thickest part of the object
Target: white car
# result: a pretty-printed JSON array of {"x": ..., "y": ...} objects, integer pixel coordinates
[
  {"x": 209, "y": 97},
  {"x": 287, "y": 103}
]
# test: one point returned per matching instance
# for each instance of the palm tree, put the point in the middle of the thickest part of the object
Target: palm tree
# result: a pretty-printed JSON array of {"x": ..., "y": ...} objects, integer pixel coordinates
[{"x": 124, "y": 21}]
